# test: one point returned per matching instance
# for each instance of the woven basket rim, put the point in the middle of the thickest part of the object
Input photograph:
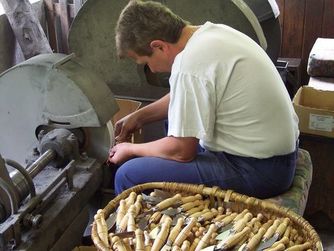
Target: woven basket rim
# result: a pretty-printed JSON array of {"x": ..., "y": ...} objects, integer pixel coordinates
[{"x": 215, "y": 192}]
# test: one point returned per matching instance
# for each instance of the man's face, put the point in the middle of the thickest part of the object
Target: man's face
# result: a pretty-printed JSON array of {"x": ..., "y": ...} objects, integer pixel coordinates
[{"x": 158, "y": 61}]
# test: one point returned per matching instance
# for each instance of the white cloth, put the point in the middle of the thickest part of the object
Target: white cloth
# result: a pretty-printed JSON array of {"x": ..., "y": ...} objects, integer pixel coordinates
[
  {"x": 226, "y": 92},
  {"x": 274, "y": 7}
]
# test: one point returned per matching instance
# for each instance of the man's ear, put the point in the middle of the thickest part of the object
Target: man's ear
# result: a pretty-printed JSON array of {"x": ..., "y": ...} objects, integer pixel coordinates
[{"x": 158, "y": 44}]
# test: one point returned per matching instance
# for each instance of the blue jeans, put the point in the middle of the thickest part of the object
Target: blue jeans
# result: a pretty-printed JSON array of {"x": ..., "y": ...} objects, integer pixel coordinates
[{"x": 261, "y": 178}]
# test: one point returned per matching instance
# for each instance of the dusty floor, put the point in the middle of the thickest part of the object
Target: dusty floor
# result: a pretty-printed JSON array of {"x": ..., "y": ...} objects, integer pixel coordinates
[{"x": 325, "y": 228}]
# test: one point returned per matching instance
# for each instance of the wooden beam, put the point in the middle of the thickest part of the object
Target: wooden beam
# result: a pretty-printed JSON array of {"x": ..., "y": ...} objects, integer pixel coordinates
[
  {"x": 26, "y": 27},
  {"x": 50, "y": 14}
]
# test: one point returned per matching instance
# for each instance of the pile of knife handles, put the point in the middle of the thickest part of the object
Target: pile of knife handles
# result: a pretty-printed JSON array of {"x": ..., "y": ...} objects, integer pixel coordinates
[{"x": 187, "y": 222}]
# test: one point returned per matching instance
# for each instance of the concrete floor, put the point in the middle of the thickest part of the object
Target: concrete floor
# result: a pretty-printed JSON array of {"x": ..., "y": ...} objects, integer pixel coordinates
[
  {"x": 325, "y": 228},
  {"x": 327, "y": 239}
]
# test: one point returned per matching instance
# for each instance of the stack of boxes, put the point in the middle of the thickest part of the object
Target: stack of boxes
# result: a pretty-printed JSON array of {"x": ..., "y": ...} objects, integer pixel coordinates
[{"x": 314, "y": 105}]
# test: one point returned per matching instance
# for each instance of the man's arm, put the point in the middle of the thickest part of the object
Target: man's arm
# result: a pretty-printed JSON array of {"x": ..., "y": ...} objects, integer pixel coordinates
[
  {"x": 183, "y": 149},
  {"x": 155, "y": 111}
]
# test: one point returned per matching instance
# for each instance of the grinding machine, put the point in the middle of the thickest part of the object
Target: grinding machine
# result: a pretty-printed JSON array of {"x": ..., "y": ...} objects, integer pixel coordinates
[
  {"x": 56, "y": 111},
  {"x": 55, "y": 136}
]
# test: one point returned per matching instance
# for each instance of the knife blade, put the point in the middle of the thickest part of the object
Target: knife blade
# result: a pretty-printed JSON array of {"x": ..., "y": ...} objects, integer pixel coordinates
[
  {"x": 184, "y": 207},
  {"x": 162, "y": 194},
  {"x": 277, "y": 235},
  {"x": 236, "y": 226},
  {"x": 143, "y": 222},
  {"x": 233, "y": 239},
  {"x": 176, "y": 218},
  {"x": 111, "y": 221},
  {"x": 152, "y": 200},
  {"x": 269, "y": 233},
  {"x": 163, "y": 205}
]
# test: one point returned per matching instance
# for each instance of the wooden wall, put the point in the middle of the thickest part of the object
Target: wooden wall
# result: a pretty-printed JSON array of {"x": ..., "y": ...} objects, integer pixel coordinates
[{"x": 302, "y": 21}]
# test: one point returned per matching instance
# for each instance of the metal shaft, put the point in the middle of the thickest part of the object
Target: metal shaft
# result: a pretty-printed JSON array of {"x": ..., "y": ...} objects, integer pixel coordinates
[{"x": 41, "y": 162}]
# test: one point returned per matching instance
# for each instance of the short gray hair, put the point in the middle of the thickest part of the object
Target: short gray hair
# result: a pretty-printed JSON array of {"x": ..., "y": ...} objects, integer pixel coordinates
[{"x": 141, "y": 22}]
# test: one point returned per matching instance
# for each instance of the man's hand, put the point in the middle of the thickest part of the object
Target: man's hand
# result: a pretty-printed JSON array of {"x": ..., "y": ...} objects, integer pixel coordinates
[
  {"x": 120, "y": 153},
  {"x": 125, "y": 127}
]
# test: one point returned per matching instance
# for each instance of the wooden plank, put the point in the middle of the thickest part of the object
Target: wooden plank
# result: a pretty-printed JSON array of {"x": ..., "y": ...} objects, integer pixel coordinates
[
  {"x": 26, "y": 27},
  {"x": 64, "y": 24},
  {"x": 312, "y": 30},
  {"x": 293, "y": 28},
  {"x": 281, "y": 4},
  {"x": 50, "y": 19},
  {"x": 57, "y": 24},
  {"x": 328, "y": 21}
]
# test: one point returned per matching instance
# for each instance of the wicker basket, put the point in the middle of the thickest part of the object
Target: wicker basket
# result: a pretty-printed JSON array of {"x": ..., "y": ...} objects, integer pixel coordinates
[{"x": 236, "y": 201}]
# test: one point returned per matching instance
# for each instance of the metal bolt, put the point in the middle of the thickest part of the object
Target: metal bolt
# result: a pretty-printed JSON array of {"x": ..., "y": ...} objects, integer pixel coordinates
[{"x": 32, "y": 220}]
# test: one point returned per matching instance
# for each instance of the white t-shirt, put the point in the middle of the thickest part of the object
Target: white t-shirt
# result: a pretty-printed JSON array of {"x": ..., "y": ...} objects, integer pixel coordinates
[{"x": 226, "y": 92}]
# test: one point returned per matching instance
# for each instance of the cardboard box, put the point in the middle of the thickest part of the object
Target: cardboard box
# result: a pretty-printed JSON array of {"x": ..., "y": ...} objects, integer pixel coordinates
[
  {"x": 127, "y": 106},
  {"x": 315, "y": 109}
]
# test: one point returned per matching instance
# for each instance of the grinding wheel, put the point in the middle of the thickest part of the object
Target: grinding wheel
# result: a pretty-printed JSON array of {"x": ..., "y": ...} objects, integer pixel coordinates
[{"x": 55, "y": 91}]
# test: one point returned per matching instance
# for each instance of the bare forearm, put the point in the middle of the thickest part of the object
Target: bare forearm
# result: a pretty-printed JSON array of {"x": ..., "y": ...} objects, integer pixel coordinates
[
  {"x": 179, "y": 149},
  {"x": 172, "y": 148},
  {"x": 155, "y": 111}
]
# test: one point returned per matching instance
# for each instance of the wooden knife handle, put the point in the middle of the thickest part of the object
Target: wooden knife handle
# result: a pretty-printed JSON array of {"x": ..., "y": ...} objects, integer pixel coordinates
[
  {"x": 195, "y": 209},
  {"x": 205, "y": 240},
  {"x": 191, "y": 198},
  {"x": 234, "y": 239},
  {"x": 118, "y": 244},
  {"x": 285, "y": 240},
  {"x": 208, "y": 215},
  {"x": 184, "y": 232},
  {"x": 256, "y": 239},
  {"x": 162, "y": 235},
  {"x": 123, "y": 225},
  {"x": 300, "y": 247},
  {"x": 147, "y": 241},
  {"x": 228, "y": 219},
  {"x": 131, "y": 225},
  {"x": 120, "y": 212},
  {"x": 279, "y": 247},
  {"x": 191, "y": 204},
  {"x": 102, "y": 230},
  {"x": 194, "y": 244},
  {"x": 239, "y": 225},
  {"x": 271, "y": 230},
  {"x": 197, "y": 214},
  {"x": 185, "y": 245},
  {"x": 282, "y": 227},
  {"x": 241, "y": 215},
  {"x": 175, "y": 231},
  {"x": 155, "y": 217},
  {"x": 130, "y": 200},
  {"x": 168, "y": 202},
  {"x": 267, "y": 224},
  {"x": 138, "y": 204},
  {"x": 140, "y": 246}
]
